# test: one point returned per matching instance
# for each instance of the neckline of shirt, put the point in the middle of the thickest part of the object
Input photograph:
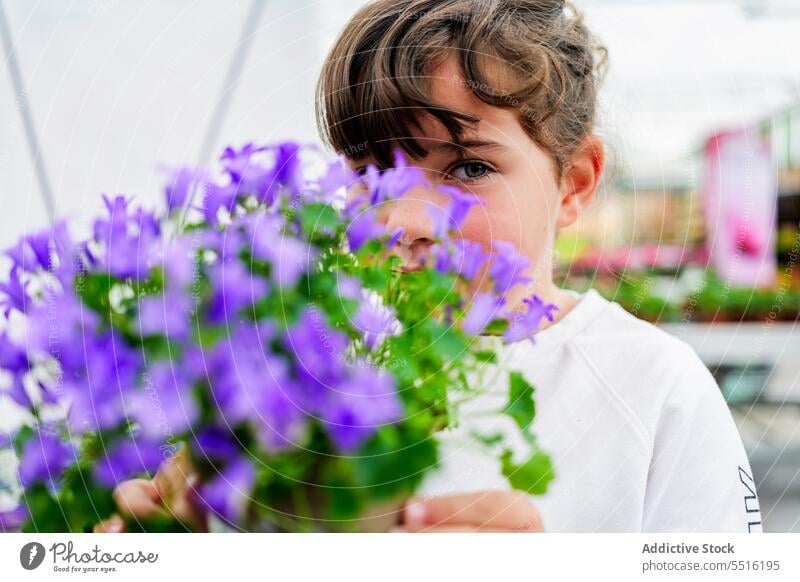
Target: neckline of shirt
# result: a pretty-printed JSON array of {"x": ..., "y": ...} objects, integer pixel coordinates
[{"x": 589, "y": 306}]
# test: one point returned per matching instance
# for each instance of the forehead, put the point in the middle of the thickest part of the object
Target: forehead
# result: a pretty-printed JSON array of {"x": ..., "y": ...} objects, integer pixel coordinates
[{"x": 449, "y": 88}]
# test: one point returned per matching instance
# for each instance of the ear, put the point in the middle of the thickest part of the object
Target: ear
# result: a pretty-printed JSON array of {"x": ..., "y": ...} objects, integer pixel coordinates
[{"x": 580, "y": 179}]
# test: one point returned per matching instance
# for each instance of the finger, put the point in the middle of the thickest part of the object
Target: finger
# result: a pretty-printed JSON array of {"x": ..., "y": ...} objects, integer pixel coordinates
[
  {"x": 173, "y": 474},
  {"x": 114, "y": 524},
  {"x": 188, "y": 506},
  {"x": 505, "y": 510},
  {"x": 138, "y": 498},
  {"x": 175, "y": 481}
]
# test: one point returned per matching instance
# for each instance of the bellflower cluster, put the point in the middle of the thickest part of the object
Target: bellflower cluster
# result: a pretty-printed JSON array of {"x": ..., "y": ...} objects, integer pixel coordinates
[{"x": 259, "y": 325}]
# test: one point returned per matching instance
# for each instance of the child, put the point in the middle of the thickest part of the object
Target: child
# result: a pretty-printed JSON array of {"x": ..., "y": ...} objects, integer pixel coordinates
[{"x": 499, "y": 98}]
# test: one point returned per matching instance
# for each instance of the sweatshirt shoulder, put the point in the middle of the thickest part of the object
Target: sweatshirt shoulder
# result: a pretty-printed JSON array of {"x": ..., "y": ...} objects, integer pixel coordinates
[
  {"x": 616, "y": 337},
  {"x": 642, "y": 365}
]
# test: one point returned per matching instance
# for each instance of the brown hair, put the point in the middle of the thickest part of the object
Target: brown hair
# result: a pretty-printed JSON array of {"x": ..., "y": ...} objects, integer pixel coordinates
[{"x": 374, "y": 83}]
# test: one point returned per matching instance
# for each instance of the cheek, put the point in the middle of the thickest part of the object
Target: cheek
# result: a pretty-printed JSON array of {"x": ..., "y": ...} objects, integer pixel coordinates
[{"x": 522, "y": 214}]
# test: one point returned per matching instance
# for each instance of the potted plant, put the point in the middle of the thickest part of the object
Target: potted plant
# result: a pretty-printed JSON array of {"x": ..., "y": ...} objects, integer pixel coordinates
[{"x": 260, "y": 328}]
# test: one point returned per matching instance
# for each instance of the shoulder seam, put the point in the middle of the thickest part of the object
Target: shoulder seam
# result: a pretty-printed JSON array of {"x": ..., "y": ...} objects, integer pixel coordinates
[{"x": 645, "y": 437}]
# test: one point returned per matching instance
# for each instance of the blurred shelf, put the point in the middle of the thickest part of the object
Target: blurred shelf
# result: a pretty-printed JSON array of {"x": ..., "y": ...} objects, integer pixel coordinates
[{"x": 775, "y": 346}]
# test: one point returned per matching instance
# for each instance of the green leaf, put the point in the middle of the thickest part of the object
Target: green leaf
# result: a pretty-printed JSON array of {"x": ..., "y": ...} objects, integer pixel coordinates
[
  {"x": 93, "y": 289},
  {"x": 496, "y": 327},
  {"x": 488, "y": 440},
  {"x": 393, "y": 463},
  {"x": 318, "y": 219},
  {"x": 486, "y": 356},
  {"x": 521, "y": 406},
  {"x": 532, "y": 476},
  {"x": 446, "y": 343},
  {"x": 47, "y": 514}
]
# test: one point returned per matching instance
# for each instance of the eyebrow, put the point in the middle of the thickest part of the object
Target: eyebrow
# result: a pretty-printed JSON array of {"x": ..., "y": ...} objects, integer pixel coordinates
[
  {"x": 457, "y": 147},
  {"x": 468, "y": 144}
]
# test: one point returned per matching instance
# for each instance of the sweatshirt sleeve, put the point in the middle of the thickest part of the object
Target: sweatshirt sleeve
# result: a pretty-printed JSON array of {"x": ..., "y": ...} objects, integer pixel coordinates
[{"x": 699, "y": 478}]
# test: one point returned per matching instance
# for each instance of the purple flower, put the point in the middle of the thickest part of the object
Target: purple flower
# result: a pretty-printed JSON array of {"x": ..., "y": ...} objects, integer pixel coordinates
[
  {"x": 250, "y": 383},
  {"x": 35, "y": 251},
  {"x": 371, "y": 179},
  {"x": 15, "y": 293},
  {"x": 228, "y": 494},
  {"x": 177, "y": 259},
  {"x": 353, "y": 410},
  {"x": 168, "y": 315},
  {"x": 524, "y": 325},
  {"x": 11, "y": 520},
  {"x": 12, "y": 357},
  {"x": 235, "y": 287},
  {"x": 17, "y": 392},
  {"x": 394, "y": 182},
  {"x": 374, "y": 322},
  {"x": 165, "y": 405},
  {"x": 318, "y": 350},
  {"x": 290, "y": 257},
  {"x": 396, "y": 236},
  {"x": 215, "y": 444},
  {"x": 364, "y": 228},
  {"x": 462, "y": 257},
  {"x": 508, "y": 267},
  {"x": 280, "y": 421},
  {"x": 485, "y": 308},
  {"x": 253, "y": 177},
  {"x": 127, "y": 237},
  {"x": 57, "y": 327},
  {"x": 227, "y": 244},
  {"x": 181, "y": 185},
  {"x": 440, "y": 221},
  {"x": 460, "y": 204},
  {"x": 337, "y": 176},
  {"x": 44, "y": 458},
  {"x": 127, "y": 458},
  {"x": 287, "y": 169},
  {"x": 22, "y": 255},
  {"x": 348, "y": 287},
  {"x": 216, "y": 198},
  {"x": 237, "y": 163},
  {"x": 93, "y": 388}
]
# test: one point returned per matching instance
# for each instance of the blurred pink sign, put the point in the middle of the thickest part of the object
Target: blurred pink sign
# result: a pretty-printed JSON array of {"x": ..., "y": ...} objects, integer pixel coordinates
[{"x": 740, "y": 202}]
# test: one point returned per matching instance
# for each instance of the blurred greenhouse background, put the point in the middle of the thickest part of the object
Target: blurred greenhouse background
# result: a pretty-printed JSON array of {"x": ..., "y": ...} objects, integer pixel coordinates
[{"x": 110, "y": 89}]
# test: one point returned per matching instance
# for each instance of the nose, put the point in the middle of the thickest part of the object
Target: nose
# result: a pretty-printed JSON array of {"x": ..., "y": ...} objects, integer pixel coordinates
[
  {"x": 412, "y": 251},
  {"x": 411, "y": 215}
]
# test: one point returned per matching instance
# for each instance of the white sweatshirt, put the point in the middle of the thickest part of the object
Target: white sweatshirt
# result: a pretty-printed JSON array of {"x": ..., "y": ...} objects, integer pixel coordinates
[{"x": 640, "y": 436}]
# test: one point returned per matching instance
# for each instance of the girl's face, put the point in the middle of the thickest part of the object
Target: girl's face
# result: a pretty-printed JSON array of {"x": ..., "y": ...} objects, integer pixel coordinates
[{"x": 515, "y": 179}]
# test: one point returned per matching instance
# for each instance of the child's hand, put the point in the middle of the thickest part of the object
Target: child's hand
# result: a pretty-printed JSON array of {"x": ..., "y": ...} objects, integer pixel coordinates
[
  {"x": 485, "y": 511},
  {"x": 170, "y": 494}
]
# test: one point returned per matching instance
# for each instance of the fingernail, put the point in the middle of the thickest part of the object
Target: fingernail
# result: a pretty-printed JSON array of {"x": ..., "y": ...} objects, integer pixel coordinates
[
  {"x": 114, "y": 525},
  {"x": 414, "y": 511}
]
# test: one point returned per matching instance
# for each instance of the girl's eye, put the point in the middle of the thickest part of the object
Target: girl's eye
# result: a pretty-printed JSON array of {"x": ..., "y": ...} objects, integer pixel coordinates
[
  {"x": 470, "y": 171},
  {"x": 362, "y": 170}
]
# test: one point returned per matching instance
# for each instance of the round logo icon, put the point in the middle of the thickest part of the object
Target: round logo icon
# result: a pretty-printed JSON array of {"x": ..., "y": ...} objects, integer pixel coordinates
[{"x": 31, "y": 555}]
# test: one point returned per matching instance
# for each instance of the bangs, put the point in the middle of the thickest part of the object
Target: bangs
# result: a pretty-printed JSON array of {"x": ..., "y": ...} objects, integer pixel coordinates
[
  {"x": 375, "y": 86},
  {"x": 385, "y": 117}
]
